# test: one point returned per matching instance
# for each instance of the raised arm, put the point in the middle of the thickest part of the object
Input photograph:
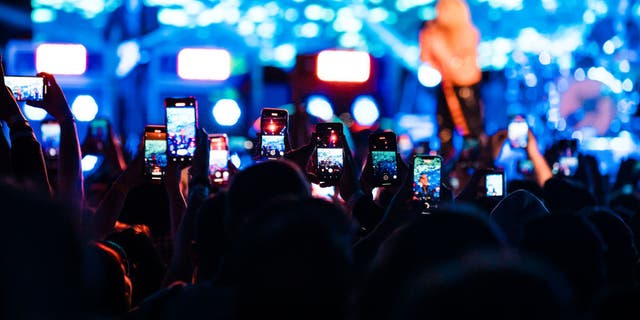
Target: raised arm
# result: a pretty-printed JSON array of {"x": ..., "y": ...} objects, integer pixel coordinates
[
  {"x": 70, "y": 187},
  {"x": 27, "y": 162}
]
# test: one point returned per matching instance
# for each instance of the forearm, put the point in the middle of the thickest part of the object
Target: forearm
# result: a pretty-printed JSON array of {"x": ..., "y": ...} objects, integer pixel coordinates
[
  {"x": 541, "y": 169},
  {"x": 70, "y": 179},
  {"x": 181, "y": 267},
  {"x": 109, "y": 209}
]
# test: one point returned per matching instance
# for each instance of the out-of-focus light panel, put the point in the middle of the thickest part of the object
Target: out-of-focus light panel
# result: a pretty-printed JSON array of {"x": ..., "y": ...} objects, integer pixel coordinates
[
  {"x": 343, "y": 66},
  {"x": 204, "y": 64},
  {"x": 57, "y": 58},
  {"x": 84, "y": 107},
  {"x": 365, "y": 110},
  {"x": 429, "y": 76},
  {"x": 320, "y": 107},
  {"x": 226, "y": 112},
  {"x": 34, "y": 113}
]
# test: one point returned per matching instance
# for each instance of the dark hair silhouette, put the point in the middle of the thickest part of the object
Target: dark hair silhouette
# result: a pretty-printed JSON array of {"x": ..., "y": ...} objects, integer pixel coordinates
[
  {"x": 293, "y": 260},
  {"x": 420, "y": 245},
  {"x": 487, "y": 285},
  {"x": 107, "y": 285},
  {"x": 146, "y": 268},
  {"x": 41, "y": 259},
  {"x": 574, "y": 247},
  {"x": 620, "y": 253},
  {"x": 515, "y": 211},
  {"x": 566, "y": 195},
  {"x": 254, "y": 186}
]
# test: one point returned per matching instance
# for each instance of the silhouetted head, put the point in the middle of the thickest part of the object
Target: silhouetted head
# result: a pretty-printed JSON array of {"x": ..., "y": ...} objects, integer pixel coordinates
[
  {"x": 529, "y": 185},
  {"x": 515, "y": 211},
  {"x": 487, "y": 285},
  {"x": 254, "y": 186},
  {"x": 574, "y": 247},
  {"x": 41, "y": 269},
  {"x": 620, "y": 253},
  {"x": 562, "y": 195},
  {"x": 420, "y": 245},
  {"x": 107, "y": 285},
  {"x": 293, "y": 260},
  {"x": 146, "y": 268}
]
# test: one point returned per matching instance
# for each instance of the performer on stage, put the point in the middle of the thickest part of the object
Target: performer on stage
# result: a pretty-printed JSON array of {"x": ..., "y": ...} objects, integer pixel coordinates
[{"x": 449, "y": 44}]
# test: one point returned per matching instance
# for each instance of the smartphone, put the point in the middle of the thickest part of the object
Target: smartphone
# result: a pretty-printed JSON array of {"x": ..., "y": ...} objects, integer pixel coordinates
[
  {"x": 326, "y": 193},
  {"x": 50, "y": 136},
  {"x": 567, "y": 163},
  {"x": 330, "y": 157},
  {"x": 525, "y": 166},
  {"x": 155, "y": 151},
  {"x": 181, "y": 117},
  {"x": 427, "y": 175},
  {"x": 383, "y": 149},
  {"x": 518, "y": 132},
  {"x": 26, "y": 88},
  {"x": 494, "y": 184},
  {"x": 99, "y": 129},
  {"x": 218, "y": 158},
  {"x": 273, "y": 127}
]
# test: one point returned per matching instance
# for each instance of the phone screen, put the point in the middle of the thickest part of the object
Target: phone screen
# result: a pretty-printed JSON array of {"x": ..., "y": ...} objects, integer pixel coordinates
[
  {"x": 99, "y": 129},
  {"x": 218, "y": 158},
  {"x": 518, "y": 132},
  {"x": 494, "y": 185},
  {"x": 330, "y": 161},
  {"x": 155, "y": 152},
  {"x": 566, "y": 165},
  {"x": 181, "y": 128},
  {"x": 50, "y": 133},
  {"x": 26, "y": 88},
  {"x": 273, "y": 125},
  {"x": 525, "y": 166},
  {"x": 427, "y": 174},
  {"x": 383, "y": 150}
]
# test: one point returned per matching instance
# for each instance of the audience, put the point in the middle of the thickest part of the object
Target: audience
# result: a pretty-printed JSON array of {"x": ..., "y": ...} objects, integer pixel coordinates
[{"x": 552, "y": 247}]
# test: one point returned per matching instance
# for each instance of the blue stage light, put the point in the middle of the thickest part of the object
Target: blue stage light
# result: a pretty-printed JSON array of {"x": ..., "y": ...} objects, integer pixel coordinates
[
  {"x": 226, "y": 112},
  {"x": 320, "y": 107},
  {"x": 33, "y": 113},
  {"x": 365, "y": 110},
  {"x": 84, "y": 107}
]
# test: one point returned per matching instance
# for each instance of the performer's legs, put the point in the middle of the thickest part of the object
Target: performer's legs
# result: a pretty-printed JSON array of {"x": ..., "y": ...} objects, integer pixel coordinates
[{"x": 445, "y": 128}]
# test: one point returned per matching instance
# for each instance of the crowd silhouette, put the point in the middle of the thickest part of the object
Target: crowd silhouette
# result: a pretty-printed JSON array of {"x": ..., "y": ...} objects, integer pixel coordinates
[{"x": 116, "y": 245}]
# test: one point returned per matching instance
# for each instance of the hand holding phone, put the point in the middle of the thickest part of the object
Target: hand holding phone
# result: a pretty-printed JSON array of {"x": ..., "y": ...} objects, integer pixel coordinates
[
  {"x": 330, "y": 153},
  {"x": 50, "y": 135},
  {"x": 26, "y": 88},
  {"x": 219, "y": 158},
  {"x": 273, "y": 131},
  {"x": 383, "y": 149},
  {"x": 518, "y": 132},
  {"x": 181, "y": 116},
  {"x": 155, "y": 152},
  {"x": 494, "y": 184},
  {"x": 427, "y": 177}
]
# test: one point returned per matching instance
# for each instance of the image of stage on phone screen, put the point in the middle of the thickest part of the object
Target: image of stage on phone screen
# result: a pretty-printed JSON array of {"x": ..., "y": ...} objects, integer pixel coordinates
[
  {"x": 155, "y": 156},
  {"x": 494, "y": 185},
  {"x": 273, "y": 146},
  {"x": 330, "y": 163},
  {"x": 181, "y": 132},
  {"x": 26, "y": 88},
  {"x": 384, "y": 165},
  {"x": 50, "y": 139},
  {"x": 218, "y": 166},
  {"x": 426, "y": 180}
]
